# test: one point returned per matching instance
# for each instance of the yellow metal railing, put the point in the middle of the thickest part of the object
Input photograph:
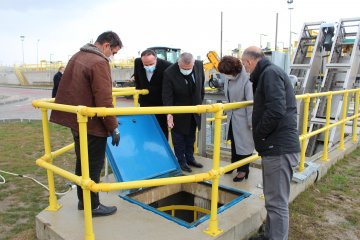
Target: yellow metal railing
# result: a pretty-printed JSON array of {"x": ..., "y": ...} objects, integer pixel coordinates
[
  {"x": 21, "y": 77},
  {"x": 42, "y": 66},
  {"x": 83, "y": 113},
  {"x": 47, "y": 65},
  {"x": 128, "y": 91},
  {"x": 305, "y": 135},
  {"x": 194, "y": 209}
]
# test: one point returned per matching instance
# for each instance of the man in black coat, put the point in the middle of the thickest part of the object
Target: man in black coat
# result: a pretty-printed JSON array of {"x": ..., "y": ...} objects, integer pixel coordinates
[
  {"x": 148, "y": 74},
  {"x": 183, "y": 85},
  {"x": 56, "y": 80},
  {"x": 275, "y": 136}
]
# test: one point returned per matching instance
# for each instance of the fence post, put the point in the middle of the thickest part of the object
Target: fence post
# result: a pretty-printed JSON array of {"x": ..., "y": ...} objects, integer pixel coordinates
[
  {"x": 85, "y": 177},
  {"x": 326, "y": 140},
  {"x": 356, "y": 116},
  {"x": 304, "y": 132},
  {"x": 213, "y": 229},
  {"x": 196, "y": 150},
  {"x": 53, "y": 203},
  {"x": 114, "y": 101},
  {"x": 136, "y": 99},
  {"x": 342, "y": 133}
]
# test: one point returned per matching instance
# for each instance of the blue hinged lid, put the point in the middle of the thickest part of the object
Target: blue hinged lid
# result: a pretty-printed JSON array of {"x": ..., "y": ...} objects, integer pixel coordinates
[{"x": 143, "y": 151}]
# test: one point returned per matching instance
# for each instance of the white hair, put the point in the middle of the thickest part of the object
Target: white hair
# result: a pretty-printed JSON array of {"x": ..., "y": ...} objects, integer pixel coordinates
[{"x": 186, "y": 58}]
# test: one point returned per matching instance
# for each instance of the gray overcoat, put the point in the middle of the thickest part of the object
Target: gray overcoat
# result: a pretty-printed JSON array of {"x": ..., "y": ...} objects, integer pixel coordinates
[{"x": 238, "y": 90}]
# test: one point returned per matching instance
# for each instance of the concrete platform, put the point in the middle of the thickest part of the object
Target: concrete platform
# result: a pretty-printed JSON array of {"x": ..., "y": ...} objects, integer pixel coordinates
[{"x": 133, "y": 222}]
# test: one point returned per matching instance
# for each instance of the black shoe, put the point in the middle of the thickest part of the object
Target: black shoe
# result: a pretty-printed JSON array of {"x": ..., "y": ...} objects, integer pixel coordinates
[
  {"x": 101, "y": 210},
  {"x": 185, "y": 168},
  {"x": 80, "y": 206},
  {"x": 239, "y": 179},
  {"x": 259, "y": 237},
  {"x": 229, "y": 172},
  {"x": 195, "y": 164}
]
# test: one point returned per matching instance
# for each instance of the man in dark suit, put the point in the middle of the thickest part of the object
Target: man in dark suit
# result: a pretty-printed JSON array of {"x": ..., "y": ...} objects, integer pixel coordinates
[
  {"x": 183, "y": 85},
  {"x": 148, "y": 74}
]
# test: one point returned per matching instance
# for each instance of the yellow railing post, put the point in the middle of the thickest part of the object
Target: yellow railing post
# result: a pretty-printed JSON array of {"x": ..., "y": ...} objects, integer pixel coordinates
[
  {"x": 82, "y": 120},
  {"x": 304, "y": 132},
  {"x": 314, "y": 102},
  {"x": 136, "y": 99},
  {"x": 114, "y": 101},
  {"x": 342, "y": 133},
  {"x": 213, "y": 229},
  {"x": 170, "y": 139},
  {"x": 327, "y": 123},
  {"x": 356, "y": 106},
  {"x": 53, "y": 203},
  {"x": 196, "y": 150}
]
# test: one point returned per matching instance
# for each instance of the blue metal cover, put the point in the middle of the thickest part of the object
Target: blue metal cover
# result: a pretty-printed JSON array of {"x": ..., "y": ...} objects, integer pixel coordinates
[{"x": 143, "y": 151}]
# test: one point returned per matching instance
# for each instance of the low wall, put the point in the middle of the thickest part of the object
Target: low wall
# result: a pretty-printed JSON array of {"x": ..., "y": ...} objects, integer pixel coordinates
[
  {"x": 45, "y": 77},
  {"x": 7, "y": 76}
]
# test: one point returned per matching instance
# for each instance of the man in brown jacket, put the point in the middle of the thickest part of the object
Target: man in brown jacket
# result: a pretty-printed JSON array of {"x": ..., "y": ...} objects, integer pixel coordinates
[{"x": 87, "y": 81}]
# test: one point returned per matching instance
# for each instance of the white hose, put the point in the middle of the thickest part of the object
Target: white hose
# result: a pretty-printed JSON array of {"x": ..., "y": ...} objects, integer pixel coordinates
[{"x": 24, "y": 176}]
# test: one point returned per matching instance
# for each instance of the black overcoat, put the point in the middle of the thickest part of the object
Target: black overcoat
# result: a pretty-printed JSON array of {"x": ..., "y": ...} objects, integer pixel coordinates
[
  {"x": 155, "y": 84},
  {"x": 177, "y": 93}
]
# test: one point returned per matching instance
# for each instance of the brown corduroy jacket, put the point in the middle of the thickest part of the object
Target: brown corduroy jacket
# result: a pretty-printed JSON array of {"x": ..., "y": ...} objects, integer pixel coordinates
[{"x": 87, "y": 82}]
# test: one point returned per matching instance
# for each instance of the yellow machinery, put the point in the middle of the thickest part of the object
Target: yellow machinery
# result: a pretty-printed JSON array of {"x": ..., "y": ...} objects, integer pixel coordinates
[
  {"x": 213, "y": 61},
  {"x": 211, "y": 71}
]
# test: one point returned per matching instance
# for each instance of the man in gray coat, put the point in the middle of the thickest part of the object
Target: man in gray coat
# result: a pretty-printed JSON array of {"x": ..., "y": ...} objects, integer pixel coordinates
[{"x": 276, "y": 137}]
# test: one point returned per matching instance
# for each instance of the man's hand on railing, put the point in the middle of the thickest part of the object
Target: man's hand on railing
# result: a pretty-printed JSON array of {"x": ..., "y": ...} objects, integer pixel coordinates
[
  {"x": 115, "y": 137},
  {"x": 170, "y": 121}
]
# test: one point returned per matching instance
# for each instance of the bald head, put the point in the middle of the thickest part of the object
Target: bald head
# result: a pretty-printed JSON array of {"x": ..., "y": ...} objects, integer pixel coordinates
[
  {"x": 250, "y": 57},
  {"x": 254, "y": 52}
]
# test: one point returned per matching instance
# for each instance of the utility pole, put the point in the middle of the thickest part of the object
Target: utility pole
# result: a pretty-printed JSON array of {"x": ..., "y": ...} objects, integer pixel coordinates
[
  {"x": 51, "y": 54},
  {"x": 276, "y": 31},
  {"x": 37, "y": 53},
  {"x": 221, "y": 35},
  {"x": 290, "y": 7},
  {"x": 22, "y": 38}
]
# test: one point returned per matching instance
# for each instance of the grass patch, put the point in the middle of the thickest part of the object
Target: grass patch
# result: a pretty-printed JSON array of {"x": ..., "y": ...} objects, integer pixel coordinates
[
  {"x": 21, "y": 198},
  {"x": 330, "y": 209}
]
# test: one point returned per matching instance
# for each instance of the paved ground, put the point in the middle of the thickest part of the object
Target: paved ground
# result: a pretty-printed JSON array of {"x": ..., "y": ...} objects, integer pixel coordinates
[{"x": 15, "y": 102}]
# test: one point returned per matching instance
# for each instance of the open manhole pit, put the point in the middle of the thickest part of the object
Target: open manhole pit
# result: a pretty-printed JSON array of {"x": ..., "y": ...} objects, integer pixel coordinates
[{"x": 187, "y": 204}]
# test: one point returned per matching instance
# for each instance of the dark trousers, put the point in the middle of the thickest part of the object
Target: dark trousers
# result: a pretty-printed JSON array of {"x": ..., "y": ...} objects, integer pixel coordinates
[
  {"x": 96, "y": 151},
  {"x": 184, "y": 145},
  {"x": 235, "y": 157},
  {"x": 161, "y": 118}
]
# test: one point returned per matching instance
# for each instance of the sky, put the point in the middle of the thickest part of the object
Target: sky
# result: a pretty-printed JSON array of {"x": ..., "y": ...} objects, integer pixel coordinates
[{"x": 55, "y": 30}]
